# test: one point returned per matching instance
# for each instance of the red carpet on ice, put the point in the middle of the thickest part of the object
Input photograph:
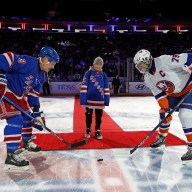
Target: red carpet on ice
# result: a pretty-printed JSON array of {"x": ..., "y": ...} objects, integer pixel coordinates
[{"x": 113, "y": 135}]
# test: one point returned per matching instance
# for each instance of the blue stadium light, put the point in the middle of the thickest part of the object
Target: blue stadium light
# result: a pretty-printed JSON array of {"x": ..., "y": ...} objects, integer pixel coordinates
[{"x": 147, "y": 20}]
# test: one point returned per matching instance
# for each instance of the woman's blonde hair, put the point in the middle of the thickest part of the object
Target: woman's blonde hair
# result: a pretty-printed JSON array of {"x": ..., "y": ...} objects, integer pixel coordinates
[{"x": 98, "y": 60}]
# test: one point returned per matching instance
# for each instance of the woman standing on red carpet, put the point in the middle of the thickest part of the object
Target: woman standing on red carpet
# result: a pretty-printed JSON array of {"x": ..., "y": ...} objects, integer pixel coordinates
[{"x": 94, "y": 95}]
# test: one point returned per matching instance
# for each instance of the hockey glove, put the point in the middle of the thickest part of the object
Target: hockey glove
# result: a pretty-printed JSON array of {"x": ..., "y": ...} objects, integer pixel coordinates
[
  {"x": 39, "y": 122},
  {"x": 3, "y": 85},
  {"x": 163, "y": 115}
]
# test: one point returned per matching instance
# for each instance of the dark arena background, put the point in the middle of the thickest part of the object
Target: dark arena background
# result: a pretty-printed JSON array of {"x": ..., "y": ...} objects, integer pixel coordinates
[{"x": 81, "y": 30}]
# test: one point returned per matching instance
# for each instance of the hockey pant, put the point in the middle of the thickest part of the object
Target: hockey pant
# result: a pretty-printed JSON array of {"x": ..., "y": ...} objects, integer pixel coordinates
[{"x": 7, "y": 110}]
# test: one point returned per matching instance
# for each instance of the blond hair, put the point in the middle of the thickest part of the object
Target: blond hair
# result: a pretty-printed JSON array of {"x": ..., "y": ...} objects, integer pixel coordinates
[{"x": 98, "y": 60}]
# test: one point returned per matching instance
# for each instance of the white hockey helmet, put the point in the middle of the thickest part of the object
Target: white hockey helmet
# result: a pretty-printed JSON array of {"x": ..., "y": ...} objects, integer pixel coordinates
[{"x": 144, "y": 56}]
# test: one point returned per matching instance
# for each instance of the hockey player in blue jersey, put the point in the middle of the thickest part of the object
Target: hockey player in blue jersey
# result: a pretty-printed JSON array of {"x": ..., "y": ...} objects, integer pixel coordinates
[
  {"x": 21, "y": 79},
  {"x": 94, "y": 94}
]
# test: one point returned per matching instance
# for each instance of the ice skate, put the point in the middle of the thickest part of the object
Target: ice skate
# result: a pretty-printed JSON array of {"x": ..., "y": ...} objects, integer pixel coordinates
[
  {"x": 88, "y": 133},
  {"x": 14, "y": 163},
  {"x": 159, "y": 143},
  {"x": 30, "y": 146},
  {"x": 98, "y": 135},
  {"x": 187, "y": 157}
]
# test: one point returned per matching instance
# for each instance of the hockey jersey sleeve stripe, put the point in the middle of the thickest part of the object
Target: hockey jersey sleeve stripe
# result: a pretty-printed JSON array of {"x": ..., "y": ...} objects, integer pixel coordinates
[
  {"x": 106, "y": 91},
  {"x": 83, "y": 91},
  {"x": 17, "y": 96},
  {"x": 83, "y": 88},
  {"x": 34, "y": 93},
  {"x": 184, "y": 91},
  {"x": 10, "y": 58}
]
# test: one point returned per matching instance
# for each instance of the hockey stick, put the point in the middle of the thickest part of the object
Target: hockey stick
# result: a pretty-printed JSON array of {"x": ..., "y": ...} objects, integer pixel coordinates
[
  {"x": 169, "y": 114},
  {"x": 49, "y": 130}
]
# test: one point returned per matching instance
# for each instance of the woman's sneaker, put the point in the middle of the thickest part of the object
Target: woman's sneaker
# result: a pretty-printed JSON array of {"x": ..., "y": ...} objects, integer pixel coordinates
[
  {"x": 88, "y": 133},
  {"x": 98, "y": 134}
]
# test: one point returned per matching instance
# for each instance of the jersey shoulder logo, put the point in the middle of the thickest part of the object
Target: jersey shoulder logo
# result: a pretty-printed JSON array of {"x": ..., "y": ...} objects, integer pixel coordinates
[
  {"x": 166, "y": 86},
  {"x": 21, "y": 61}
]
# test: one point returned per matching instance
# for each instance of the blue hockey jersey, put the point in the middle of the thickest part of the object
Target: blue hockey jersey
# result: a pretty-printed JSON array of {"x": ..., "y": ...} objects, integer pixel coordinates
[
  {"x": 24, "y": 75},
  {"x": 94, "y": 91}
]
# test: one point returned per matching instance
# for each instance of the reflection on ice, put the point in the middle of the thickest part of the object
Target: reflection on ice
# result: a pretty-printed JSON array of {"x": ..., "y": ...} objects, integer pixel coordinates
[{"x": 79, "y": 171}]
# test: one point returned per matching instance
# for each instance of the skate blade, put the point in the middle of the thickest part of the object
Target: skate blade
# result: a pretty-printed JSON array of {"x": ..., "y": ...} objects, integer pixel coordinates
[
  {"x": 15, "y": 169},
  {"x": 19, "y": 151},
  {"x": 187, "y": 163},
  {"x": 161, "y": 148},
  {"x": 31, "y": 154}
]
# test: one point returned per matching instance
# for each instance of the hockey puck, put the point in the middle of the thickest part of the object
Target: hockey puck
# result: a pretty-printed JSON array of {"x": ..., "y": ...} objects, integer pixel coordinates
[{"x": 99, "y": 159}]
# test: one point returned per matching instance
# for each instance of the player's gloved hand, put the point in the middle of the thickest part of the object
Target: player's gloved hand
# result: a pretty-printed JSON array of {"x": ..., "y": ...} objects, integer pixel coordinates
[
  {"x": 163, "y": 115},
  {"x": 39, "y": 122},
  {"x": 3, "y": 85}
]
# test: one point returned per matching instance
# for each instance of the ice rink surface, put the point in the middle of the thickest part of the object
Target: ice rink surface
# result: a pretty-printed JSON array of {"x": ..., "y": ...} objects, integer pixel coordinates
[{"x": 80, "y": 171}]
